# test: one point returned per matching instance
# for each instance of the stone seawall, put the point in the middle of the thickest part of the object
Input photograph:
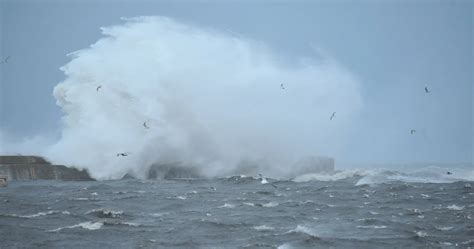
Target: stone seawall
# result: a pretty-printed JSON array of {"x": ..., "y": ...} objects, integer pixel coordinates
[{"x": 37, "y": 168}]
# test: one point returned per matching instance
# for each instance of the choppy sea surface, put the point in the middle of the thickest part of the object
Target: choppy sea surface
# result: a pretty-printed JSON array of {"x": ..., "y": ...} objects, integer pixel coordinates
[{"x": 349, "y": 209}]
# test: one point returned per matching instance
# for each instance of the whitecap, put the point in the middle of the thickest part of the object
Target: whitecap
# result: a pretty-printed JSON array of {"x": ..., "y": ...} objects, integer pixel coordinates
[
  {"x": 421, "y": 234},
  {"x": 285, "y": 246},
  {"x": 263, "y": 228},
  {"x": 305, "y": 230},
  {"x": 444, "y": 228},
  {"x": 415, "y": 211},
  {"x": 105, "y": 213},
  {"x": 455, "y": 207},
  {"x": 249, "y": 204},
  {"x": 37, "y": 214},
  {"x": 80, "y": 199},
  {"x": 158, "y": 214},
  {"x": 86, "y": 225},
  {"x": 270, "y": 204},
  {"x": 468, "y": 242},
  {"x": 112, "y": 222},
  {"x": 227, "y": 205}
]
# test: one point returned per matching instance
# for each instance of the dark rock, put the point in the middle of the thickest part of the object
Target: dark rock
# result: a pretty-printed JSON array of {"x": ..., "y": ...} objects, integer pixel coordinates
[{"x": 37, "y": 168}]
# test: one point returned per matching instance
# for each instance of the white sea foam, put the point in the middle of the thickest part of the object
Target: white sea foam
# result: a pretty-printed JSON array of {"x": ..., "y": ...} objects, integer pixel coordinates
[
  {"x": 471, "y": 241},
  {"x": 86, "y": 225},
  {"x": 80, "y": 199},
  {"x": 339, "y": 175},
  {"x": 304, "y": 229},
  {"x": 227, "y": 205},
  {"x": 270, "y": 204},
  {"x": 421, "y": 234},
  {"x": 104, "y": 212},
  {"x": 39, "y": 214},
  {"x": 263, "y": 228},
  {"x": 249, "y": 204},
  {"x": 159, "y": 214},
  {"x": 455, "y": 207},
  {"x": 285, "y": 246},
  {"x": 444, "y": 228}
]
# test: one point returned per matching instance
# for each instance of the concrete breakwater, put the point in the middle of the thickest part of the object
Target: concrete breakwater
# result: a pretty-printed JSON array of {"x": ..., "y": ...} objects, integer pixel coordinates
[{"x": 37, "y": 168}]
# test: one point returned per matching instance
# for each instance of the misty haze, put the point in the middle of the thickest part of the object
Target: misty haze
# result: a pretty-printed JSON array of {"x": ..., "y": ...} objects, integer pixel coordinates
[{"x": 209, "y": 124}]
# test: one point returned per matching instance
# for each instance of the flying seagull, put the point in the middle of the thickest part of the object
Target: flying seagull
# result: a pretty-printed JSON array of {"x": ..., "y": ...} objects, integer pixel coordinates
[
  {"x": 332, "y": 116},
  {"x": 123, "y": 154},
  {"x": 282, "y": 86},
  {"x": 98, "y": 88},
  {"x": 427, "y": 90},
  {"x": 412, "y": 131},
  {"x": 5, "y": 60},
  {"x": 145, "y": 125}
]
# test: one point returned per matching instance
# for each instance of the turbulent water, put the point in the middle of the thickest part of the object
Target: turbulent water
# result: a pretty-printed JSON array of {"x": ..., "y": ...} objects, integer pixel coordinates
[{"x": 346, "y": 210}]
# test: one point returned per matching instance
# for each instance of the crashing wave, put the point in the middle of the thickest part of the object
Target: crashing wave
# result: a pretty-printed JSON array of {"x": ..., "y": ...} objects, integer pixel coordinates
[
  {"x": 176, "y": 92},
  {"x": 425, "y": 175},
  {"x": 338, "y": 175}
]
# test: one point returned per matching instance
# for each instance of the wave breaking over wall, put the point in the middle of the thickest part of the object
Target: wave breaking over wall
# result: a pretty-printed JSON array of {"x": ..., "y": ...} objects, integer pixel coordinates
[{"x": 166, "y": 92}]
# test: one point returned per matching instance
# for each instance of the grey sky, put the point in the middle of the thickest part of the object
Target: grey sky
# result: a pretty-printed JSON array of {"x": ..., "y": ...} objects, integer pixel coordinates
[{"x": 395, "y": 48}]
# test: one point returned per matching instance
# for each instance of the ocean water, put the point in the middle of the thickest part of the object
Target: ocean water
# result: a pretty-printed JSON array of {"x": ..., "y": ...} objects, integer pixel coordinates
[{"x": 352, "y": 209}]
